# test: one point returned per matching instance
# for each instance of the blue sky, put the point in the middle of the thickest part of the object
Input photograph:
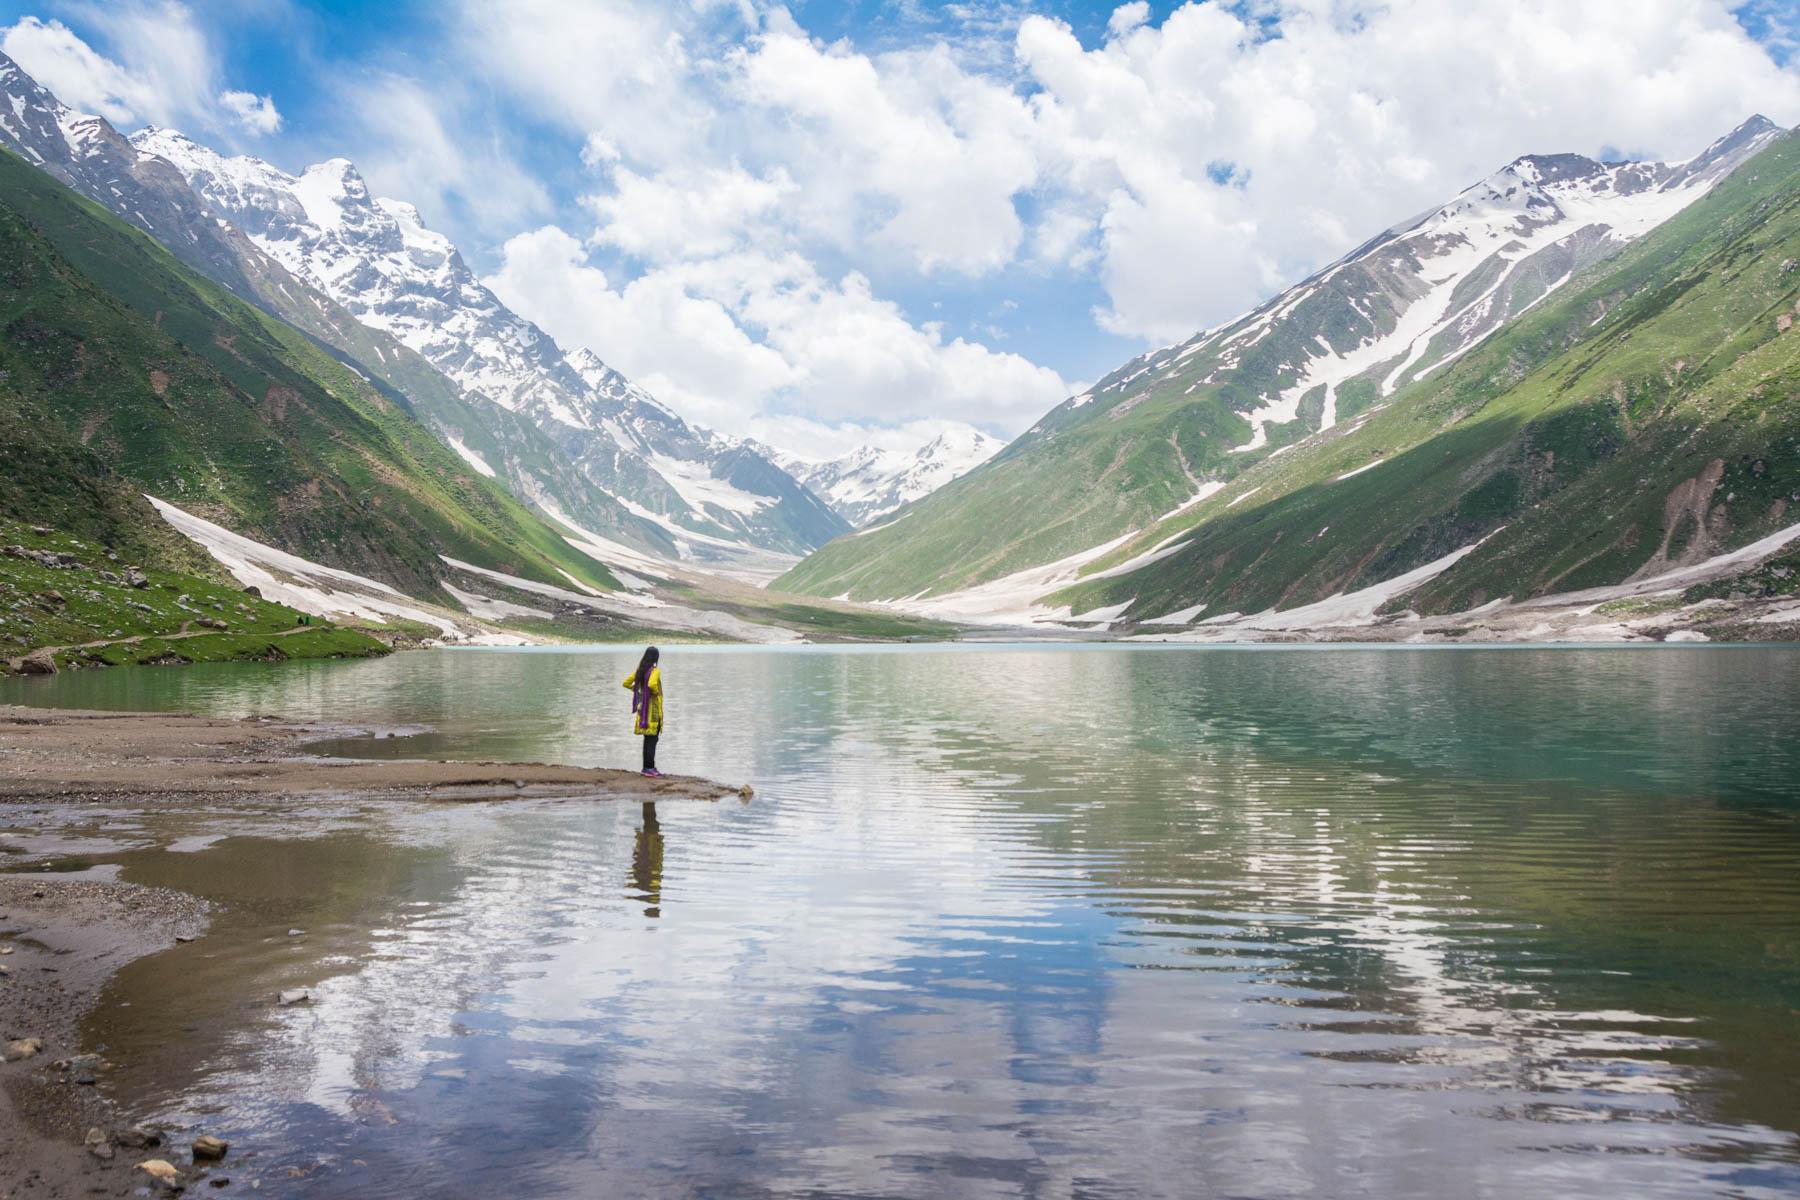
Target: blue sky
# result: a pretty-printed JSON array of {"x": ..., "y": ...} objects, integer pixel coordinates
[{"x": 833, "y": 221}]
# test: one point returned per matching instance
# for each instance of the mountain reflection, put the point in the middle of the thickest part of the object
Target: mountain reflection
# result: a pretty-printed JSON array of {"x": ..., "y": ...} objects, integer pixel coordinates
[{"x": 1051, "y": 922}]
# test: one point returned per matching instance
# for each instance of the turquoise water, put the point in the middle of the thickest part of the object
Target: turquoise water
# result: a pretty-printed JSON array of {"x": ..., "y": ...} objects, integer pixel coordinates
[{"x": 1038, "y": 921}]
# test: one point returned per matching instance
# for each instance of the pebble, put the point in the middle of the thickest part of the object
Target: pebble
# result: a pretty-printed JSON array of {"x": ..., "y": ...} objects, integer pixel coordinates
[
  {"x": 98, "y": 1144},
  {"x": 296, "y": 932},
  {"x": 162, "y": 1173},
  {"x": 294, "y": 996}
]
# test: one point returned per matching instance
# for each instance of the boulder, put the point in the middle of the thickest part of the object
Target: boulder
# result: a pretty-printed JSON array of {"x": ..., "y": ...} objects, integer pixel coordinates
[
  {"x": 23, "y": 1048},
  {"x": 136, "y": 578},
  {"x": 38, "y": 662}
]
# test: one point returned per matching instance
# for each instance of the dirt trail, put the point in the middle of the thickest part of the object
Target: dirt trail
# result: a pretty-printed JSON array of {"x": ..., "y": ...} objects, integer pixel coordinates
[{"x": 187, "y": 630}]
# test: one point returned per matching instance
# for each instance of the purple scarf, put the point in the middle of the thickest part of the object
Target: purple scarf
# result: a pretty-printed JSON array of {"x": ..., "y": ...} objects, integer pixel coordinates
[{"x": 640, "y": 699}]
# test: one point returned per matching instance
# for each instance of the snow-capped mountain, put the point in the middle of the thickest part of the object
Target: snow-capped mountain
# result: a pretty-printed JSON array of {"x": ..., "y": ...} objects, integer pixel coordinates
[
  {"x": 87, "y": 153},
  {"x": 1155, "y": 439},
  {"x": 1426, "y": 291},
  {"x": 869, "y": 482},
  {"x": 379, "y": 260}
]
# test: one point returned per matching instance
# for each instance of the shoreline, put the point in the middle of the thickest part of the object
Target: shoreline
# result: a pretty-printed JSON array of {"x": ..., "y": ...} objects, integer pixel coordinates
[
  {"x": 59, "y": 753},
  {"x": 62, "y": 939}
]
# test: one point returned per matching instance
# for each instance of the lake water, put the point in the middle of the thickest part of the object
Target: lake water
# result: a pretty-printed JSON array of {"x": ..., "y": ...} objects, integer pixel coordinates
[{"x": 1000, "y": 921}]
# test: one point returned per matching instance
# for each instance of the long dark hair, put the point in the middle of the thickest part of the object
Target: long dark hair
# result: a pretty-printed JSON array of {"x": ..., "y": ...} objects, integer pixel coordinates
[{"x": 644, "y": 664}]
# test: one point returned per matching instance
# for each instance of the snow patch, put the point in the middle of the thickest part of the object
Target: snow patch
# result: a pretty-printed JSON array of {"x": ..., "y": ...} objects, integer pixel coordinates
[
  {"x": 469, "y": 456},
  {"x": 288, "y": 579},
  {"x": 1180, "y": 617}
]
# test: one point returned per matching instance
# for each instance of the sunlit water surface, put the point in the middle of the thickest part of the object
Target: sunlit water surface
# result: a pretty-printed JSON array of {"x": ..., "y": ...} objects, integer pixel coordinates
[{"x": 1046, "y": 921}]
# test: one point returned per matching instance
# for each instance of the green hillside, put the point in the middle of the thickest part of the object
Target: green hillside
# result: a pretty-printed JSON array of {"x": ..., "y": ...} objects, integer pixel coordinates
[
  {"x": 125, "y": 371},
  {"x": 70, "y": 603},
  {"x": 1565, "y": 436},
  {"x": 1645, "y": 417}
]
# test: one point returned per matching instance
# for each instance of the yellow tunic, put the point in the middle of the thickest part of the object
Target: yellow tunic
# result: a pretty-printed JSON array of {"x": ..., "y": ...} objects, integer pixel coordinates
[{"x": 649, "y": 722}]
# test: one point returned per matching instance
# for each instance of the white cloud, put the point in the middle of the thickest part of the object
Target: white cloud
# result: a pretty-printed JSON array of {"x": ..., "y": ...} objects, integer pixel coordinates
[
  {"x": 748, "y": 337},
  {"x": 427, "y": 145},
  {"x": 1192, "y": 168},
  {"x": 253, "y": 112},
  {"x": 687, "y": 214},
  {"x": 1220, "y": 164},
  {"x": 165, "y": 72},
  {"x": 747, "y": 182}
]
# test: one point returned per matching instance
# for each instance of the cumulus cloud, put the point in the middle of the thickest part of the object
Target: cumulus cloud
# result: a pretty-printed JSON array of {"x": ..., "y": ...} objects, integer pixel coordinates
[
  {"x": 166, "y": 72},
  {"x": 1189, "y": 168},
  {"x": 751, "y": 198},
  {"x": 1219, "y": 162},
  {"x": 741, "y": 339},
  {"x": 253, "y": 112}
]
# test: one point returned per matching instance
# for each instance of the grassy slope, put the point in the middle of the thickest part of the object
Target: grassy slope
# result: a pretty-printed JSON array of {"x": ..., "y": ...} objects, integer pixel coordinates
[
  {"x": 1511, "y": 435},
  {"x": 1562, "y": 437},
  {"x": 176, "y": 385},
  {"x": 71, "y": 606}
]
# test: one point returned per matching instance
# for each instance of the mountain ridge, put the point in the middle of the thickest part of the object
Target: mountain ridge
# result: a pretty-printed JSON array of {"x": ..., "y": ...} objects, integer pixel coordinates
[
  {"x": 869, "y": 482},
  {"x": 1165, "y": 431},
  {"x": 378, "y": 258}
]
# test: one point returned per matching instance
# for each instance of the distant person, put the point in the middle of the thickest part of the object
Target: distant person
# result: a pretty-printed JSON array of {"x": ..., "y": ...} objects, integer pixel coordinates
[{"x": 646, "y": 706}]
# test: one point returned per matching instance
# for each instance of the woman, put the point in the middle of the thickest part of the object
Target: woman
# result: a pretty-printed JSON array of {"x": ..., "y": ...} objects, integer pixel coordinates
[{"x": 646, "y": 706}]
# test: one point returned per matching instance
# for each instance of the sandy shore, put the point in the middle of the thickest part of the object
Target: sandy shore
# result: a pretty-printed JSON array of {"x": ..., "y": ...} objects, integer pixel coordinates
[
  {"x": 58, "y": 753},
  {"x": 61, "y": 939}
]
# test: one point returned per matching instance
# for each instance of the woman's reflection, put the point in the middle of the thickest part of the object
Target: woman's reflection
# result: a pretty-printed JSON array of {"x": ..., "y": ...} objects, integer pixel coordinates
[{"x": 647, "y": 861}]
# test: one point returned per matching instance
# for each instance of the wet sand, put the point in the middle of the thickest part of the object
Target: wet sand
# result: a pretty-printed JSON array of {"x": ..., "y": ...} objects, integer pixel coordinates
[
  {"x": 61, "y": 939},
  {"x": 59, "y": 753}
]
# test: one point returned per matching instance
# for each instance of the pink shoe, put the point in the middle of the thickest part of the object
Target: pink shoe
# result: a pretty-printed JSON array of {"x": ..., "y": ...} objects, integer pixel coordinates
[{"x": 653, "y": 773}]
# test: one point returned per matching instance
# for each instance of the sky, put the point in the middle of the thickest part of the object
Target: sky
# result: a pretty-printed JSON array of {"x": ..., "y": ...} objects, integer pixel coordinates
[{"x": 828, "y": 223}]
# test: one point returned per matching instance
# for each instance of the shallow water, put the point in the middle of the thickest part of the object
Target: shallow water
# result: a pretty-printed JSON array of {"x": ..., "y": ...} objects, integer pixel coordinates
[{"x": 1046, "y": 921}]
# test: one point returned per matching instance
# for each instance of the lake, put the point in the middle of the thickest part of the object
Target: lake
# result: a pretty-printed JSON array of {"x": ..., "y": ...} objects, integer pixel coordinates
[{"x": 1046, "y": 921}]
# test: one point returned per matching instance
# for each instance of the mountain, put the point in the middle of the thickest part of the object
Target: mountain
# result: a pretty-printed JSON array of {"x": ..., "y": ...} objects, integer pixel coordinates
[
  {"x": 378, "y": 259},
  {"x": 127, "y": 372},
  {"x": 1150, "y": 445},
  {"x": 89, "y": 155},
  {"x": 869, "y": 482}
]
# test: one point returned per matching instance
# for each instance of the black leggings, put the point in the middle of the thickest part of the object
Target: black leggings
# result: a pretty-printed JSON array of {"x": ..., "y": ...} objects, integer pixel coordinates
[{"x": 650, "y": 751}]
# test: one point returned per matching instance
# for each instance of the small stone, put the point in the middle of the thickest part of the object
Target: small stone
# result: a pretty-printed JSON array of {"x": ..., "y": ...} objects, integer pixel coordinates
[
  {"x": 137, "y": 1139},
  {"x": 162, "y": 1173},
  {"x": 6, "y": 949},
  {"x": 23, "y": 1048},
  {"x": 296, "y": 932},
  {"x": 136, "y": 578},
  {"x": 184, "y": 937},
  {"x": 209, "y": 1149},
  {"x": 219, "y": 1181},
  {"x": 294, "y": 996},
  {"x": 98, "y": 1144}
]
